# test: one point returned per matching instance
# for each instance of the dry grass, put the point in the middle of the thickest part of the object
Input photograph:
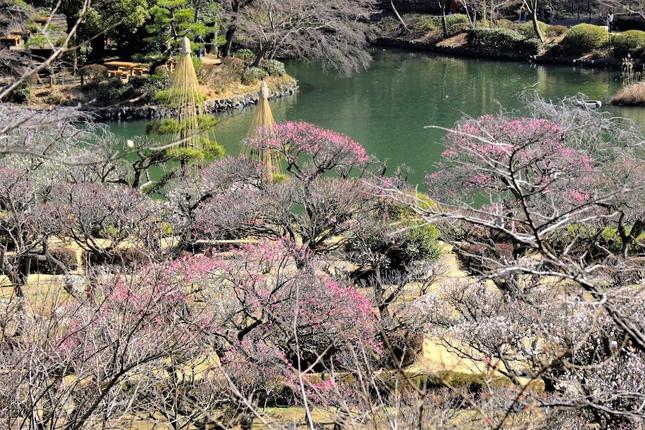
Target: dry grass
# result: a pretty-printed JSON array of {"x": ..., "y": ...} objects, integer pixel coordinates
[
  {"x": 631, "y": 95},
  {"x": 216, "y": 91},
  {"x": 457, "y": 41}
]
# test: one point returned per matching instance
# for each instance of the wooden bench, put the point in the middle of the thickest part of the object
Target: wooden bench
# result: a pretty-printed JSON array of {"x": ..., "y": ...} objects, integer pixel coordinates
[{"x": 139, "y": 71}]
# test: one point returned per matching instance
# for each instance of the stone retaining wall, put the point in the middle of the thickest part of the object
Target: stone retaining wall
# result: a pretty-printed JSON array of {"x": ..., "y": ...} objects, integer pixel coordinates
[{"x": 125, "y": 113}]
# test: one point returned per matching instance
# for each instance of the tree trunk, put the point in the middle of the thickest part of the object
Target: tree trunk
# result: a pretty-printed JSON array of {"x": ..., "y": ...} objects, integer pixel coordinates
[
  {"x": 230, "y": 35},
  {"x": 259, "y": 56},
  {"x": 399, "y": 16},
  {"x": 534, "y": 17},
  {"x": 536, "y": 26},
  {"x": 444, "y": 24},
  {"x": 18, "y": 274}
]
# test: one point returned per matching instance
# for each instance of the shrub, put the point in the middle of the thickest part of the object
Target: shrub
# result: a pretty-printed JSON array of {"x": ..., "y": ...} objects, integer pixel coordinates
[
  {"x": 106, "y": 92},
  {"x": 235, "y": 64},
  {"x": 605, "y": 240},
  {"x": 527, "y": 30},
  {"x": 59, "y": 98},
  {"x": 631, "y": 42},
  {"x": 245, "y": 55},
  {"x": 273, "y": 67},
  {"x": 173, "y": 126},
  {"x": 399, "y": 241},
  {"x": 172, "y": 98},
  {"x": 142, "y": 88},
  {"x": 454, "y": 23},
  {"x": 502, "y": 40},
  {"x": 94, "y": 74},
  {"x": 431, "y": 24},
  {"x": 230, "y": 72},
  {"x": 397, "y": 246},
  {"x": 585, "y": 38},
  {"x": 208, "y": 149},
  {"x": 148, "y": 87},
  {"x": 161, "y": 69},
  {"x": 253, "y": 75}
]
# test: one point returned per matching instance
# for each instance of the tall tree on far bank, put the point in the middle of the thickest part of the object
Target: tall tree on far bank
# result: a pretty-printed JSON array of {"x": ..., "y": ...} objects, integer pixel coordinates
[
  {"x": 532, "y": 6},
  {"x": 233, "y": 7},
  {"x": 332, "y": 31},
  {"x": 173, "y": 20}
]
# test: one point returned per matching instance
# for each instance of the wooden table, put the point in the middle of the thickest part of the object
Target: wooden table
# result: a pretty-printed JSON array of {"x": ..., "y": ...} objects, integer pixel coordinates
[{"x": 125, "y": 68}]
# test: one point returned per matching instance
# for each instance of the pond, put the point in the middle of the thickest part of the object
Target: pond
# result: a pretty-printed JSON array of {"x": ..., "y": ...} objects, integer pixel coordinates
[{"x": 387, "y": 107}]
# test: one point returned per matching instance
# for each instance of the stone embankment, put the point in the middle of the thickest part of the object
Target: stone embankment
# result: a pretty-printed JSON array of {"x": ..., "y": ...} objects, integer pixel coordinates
[{"x": 126, "y": 113}]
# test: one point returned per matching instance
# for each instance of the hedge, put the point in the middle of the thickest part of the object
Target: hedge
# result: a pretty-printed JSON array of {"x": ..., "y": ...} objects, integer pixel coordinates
[
  {"x": 502, "y": 40},
  {"x": 631, "y": 42},
  {"x": 584, "y": 38}
]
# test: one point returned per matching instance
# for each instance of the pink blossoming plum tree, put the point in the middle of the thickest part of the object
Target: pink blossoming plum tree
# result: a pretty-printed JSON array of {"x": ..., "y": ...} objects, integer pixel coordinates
[
  {"x": 276, "y": 324},
  {"x": 319, "y": 202},
  {"x": 546, "y": 207},
  {"x": 310, "y": 151},
  {"x": 87, "y": 363}
]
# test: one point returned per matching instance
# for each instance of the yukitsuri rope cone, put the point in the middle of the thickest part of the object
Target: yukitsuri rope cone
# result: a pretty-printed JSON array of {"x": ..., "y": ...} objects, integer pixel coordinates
[
  {"x": 187, "y": 99},
  {"x": 262, "y": 123}
]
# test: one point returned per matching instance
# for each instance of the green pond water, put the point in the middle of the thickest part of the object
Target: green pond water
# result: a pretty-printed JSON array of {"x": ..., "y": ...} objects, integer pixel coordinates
[{"x": 387, "y": 107}]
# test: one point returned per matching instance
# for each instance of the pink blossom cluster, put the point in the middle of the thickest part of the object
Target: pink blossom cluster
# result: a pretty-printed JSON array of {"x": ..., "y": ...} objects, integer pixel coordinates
[
  {"x": 487, "y": 153},
  {"x": 351, "y": 296},
  {"x": 149, "y": 301},
  {"x": 578, "y": 196},
  {"x": 294, "y": 138},
  {"x": 195, "y": 268},
  {"x": 526, "y": 139}
]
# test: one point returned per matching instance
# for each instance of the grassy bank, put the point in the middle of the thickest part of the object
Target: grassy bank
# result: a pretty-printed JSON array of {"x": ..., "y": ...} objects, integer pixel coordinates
[
  {"x": 582, "y": 45},
  {"x": 232, "y": 78}
]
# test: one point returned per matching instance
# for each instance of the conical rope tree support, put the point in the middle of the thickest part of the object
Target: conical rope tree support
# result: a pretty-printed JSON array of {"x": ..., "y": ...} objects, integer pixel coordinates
[
  {"x": 191, "y": 132},
  {"x": 262, "y": 123}
]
